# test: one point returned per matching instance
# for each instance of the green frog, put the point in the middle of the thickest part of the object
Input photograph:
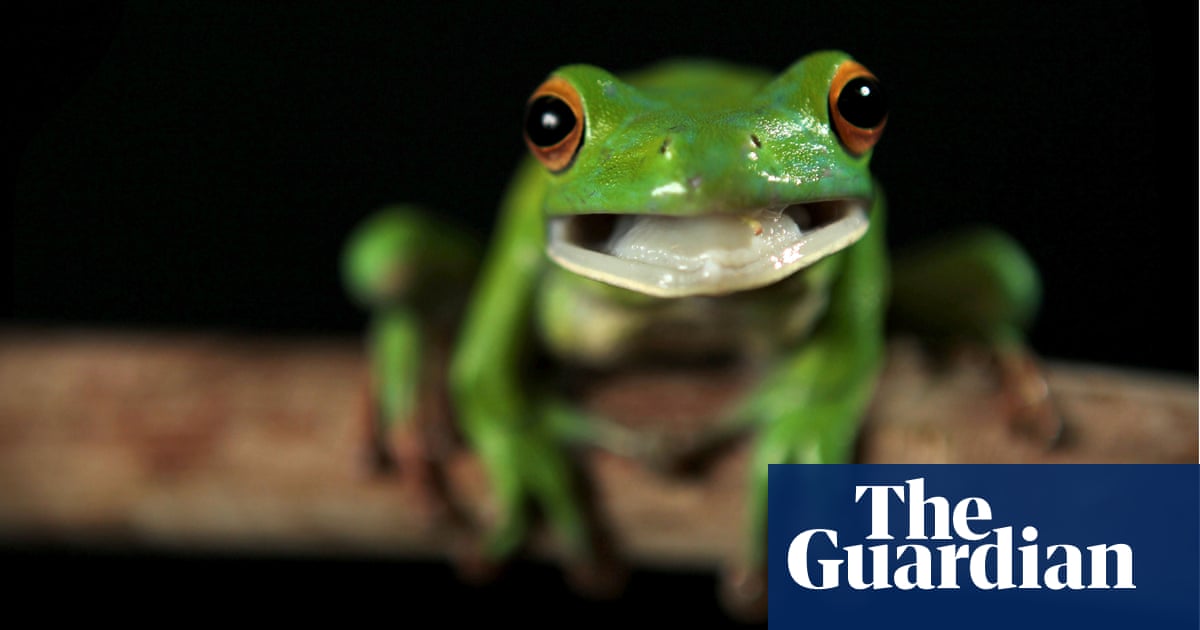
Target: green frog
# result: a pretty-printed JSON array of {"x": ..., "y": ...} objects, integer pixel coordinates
[{"x": 694, "y": 211}]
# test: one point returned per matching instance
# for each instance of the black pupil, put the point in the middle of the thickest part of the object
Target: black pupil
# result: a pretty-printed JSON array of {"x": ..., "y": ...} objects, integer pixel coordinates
[
  {"x": 862, "y": 103},
  {"x": 548, "y": 120}
]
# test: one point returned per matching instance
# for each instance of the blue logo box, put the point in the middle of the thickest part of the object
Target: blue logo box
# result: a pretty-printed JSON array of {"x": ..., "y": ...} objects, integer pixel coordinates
[{"x": 984, "y": 546}]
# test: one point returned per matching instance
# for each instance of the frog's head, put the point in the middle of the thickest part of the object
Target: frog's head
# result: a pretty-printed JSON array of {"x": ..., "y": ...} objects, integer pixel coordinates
[{"x": 699, "y": 179}]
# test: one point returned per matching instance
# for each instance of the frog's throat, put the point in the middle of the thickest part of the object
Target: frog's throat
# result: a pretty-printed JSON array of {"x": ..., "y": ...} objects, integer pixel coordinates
[{"x": 709, "y": 254}]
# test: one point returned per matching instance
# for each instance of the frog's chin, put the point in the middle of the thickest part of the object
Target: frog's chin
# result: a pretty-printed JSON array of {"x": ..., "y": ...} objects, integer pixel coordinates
[{"x": 708, "y": 254}]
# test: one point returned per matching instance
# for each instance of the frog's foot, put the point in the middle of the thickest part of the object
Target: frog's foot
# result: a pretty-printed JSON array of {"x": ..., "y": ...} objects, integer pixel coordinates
[
  {"x": 421, "y": 474},
  {"x": 410, "y": 455},
  {"x": 496, "y": 533},
  {"x": 470, "y": 558},
  {"x": 374, "y": 456},
  {"x": 592, "y": 569},
  {"x": 591, "y": 564},
  {"x": 599, "y": 574},
  {"x": 374, "y": 459},
  {"x": 538, "y": 501},
  {"x": 743, "y": 593},
  {"x": 1033, "y": 412}
]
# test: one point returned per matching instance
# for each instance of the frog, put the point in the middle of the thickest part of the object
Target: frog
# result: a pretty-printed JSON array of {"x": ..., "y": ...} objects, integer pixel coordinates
[{"x": 689, "y": 212}]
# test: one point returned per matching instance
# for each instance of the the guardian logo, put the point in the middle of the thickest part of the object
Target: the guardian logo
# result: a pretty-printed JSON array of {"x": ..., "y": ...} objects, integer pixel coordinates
[{"x": 948, "y": 546}]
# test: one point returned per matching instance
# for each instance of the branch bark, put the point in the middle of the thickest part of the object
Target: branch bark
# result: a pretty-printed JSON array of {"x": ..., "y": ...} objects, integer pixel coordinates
[{"x": 202, "y": 441}]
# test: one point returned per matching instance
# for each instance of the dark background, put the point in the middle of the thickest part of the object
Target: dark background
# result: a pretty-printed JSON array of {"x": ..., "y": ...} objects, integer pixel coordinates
[{"x": 197, "y": 165}]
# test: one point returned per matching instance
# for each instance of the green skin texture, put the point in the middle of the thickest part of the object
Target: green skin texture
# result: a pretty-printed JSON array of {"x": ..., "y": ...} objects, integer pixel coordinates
[{"x": 684, "y": 128}]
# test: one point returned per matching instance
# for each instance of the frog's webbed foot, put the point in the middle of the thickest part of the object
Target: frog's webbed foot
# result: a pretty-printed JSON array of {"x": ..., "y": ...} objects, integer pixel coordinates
[
  {"x": 597, "y": 572},
  {"x": 592, "y": 564},
  {"x": 600, "y": 573},
  {"x": 539, "y": 495},
  {"x": 422, "y": 473},
  {"x": 1033, "y": 411},
  {"x": 1016, "y": 386},
  {"x": 410, "y": 452},
  {"x": 471, "y": 561},
  {"x": 374, "y": 457}
]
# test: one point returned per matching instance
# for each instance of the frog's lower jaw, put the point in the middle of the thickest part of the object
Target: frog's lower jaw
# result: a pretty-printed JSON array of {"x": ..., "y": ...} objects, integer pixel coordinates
[{"x": 709, "y": 254}]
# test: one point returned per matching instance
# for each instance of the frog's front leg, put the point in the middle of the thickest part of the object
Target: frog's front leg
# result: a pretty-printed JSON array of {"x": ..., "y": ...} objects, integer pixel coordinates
[
  {"x": 523, "y": 454},
  {"x": 811, "y": 405},
  {"x": 411, "y": 274},
  {"x": 979, "y": 286},
  {"x": 810, "y": 413}
]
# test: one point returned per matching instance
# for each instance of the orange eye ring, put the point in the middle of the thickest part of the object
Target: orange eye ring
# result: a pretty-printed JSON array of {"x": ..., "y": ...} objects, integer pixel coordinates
[
  {"x": 554, "y": 124},
  {"x": 857, "y": 107}
]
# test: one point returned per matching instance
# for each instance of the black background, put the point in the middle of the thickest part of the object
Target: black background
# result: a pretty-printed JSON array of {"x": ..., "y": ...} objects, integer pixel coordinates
[{"x": 197, "y": 165}]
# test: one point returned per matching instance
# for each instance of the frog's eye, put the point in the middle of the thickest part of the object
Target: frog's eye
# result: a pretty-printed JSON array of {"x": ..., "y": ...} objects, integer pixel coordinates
[
  {"x": 554, "y": 123},
  {"x": 857, "y": 107}
]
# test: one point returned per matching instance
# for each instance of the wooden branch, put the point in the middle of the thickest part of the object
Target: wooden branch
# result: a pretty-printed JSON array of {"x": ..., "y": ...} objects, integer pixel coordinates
[{"x": 195, "y": 441}]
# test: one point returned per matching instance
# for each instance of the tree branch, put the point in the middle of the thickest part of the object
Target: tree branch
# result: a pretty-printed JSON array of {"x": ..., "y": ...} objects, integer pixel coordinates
[{"x": 194, "y": 441}]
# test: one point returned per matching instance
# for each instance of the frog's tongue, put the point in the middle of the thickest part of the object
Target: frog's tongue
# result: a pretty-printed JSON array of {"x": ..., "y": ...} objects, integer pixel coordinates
[
  {"x": 712, "y": 254},
  {"x": 704, "y": 244}
]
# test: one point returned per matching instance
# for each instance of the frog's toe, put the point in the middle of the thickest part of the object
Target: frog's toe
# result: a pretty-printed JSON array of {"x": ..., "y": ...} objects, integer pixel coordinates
[
  {"x": 389, "y": 448},
  {"x": 471, "y": 562},
  {"x": 402, "y": 458},
  {"x": 601, "y": 575},
  {"x": 407, "y": 458},
  {"x": 373, "y": 459},
  {"x": 743, "y": 593},
  {"x": 505, "y": 538},
  {"x": 479, "y": 550},
  {"x": 1033, "y": 412},
  {"x": 372, "y": 456}
]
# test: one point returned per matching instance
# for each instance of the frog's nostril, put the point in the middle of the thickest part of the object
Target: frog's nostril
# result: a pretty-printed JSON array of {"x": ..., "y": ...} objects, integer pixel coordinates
[
  {"x": 755, "y": 141},
  {"x": 666, "y": 143}
]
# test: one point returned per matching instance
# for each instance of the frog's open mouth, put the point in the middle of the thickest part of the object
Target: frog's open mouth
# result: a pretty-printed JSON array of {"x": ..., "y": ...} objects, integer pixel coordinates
[{"x": 709, "y": 254}]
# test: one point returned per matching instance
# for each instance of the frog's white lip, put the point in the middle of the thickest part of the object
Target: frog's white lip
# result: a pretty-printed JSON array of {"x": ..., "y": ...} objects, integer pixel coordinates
[{"x": 709, "y": 254}]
